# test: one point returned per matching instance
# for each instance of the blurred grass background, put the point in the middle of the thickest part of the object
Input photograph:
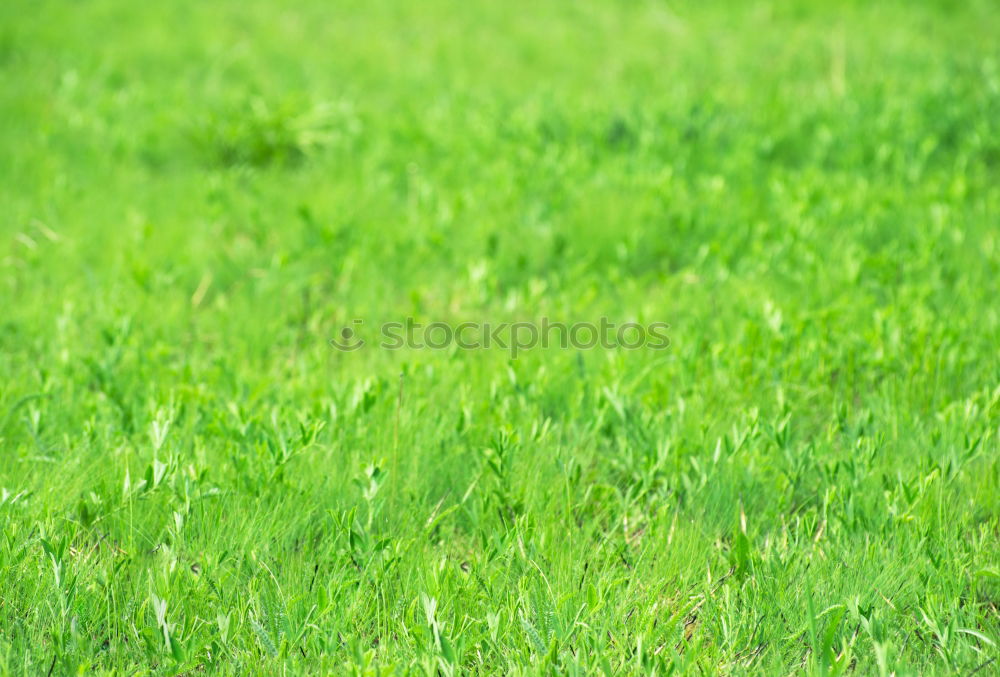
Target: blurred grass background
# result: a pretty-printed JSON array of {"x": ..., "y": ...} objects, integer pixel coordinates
[{"x": 198, "y": 195}]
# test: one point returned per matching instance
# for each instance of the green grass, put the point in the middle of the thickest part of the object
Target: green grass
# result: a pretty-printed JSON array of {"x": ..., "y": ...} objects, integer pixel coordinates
[{"x": 197, "y": 196}]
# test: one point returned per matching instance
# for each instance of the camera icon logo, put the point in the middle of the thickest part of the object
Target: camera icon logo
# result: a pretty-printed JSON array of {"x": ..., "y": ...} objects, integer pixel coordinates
[{"x": 348, "y": 340}]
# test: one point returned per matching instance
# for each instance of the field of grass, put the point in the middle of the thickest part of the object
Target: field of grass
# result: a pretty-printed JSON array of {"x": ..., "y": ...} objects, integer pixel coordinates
[{"x": 197, "y": 196}]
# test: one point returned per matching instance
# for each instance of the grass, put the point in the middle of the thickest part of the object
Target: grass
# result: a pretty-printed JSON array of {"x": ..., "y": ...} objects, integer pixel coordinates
[{"x": 198, "y": 196}]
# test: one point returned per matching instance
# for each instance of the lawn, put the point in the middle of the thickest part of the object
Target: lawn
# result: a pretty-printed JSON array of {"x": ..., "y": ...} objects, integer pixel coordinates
[{"x": 199, "y": 197}]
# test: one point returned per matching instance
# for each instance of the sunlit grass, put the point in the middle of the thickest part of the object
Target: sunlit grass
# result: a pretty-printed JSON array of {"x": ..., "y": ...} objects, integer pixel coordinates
[{"x": 198, "y": 196}]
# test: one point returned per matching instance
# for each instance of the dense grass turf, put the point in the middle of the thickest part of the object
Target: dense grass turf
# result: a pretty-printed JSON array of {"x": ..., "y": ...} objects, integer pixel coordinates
[{"x": 197, "y": 196}]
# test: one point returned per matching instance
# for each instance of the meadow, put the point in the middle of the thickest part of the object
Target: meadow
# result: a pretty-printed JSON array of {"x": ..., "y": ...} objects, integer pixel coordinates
[{"x": 198, "y": 197}]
